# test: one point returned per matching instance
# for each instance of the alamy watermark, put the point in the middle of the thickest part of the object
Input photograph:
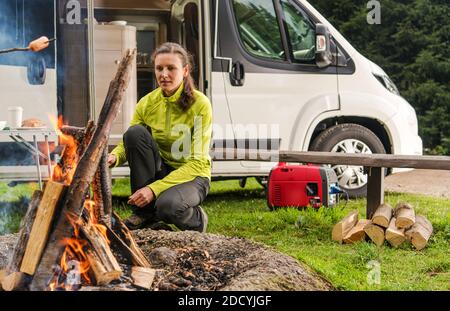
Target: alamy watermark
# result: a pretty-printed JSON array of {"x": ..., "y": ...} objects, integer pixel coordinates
[
  {"x": 374, "y": 15},
  {"x": 374, "y": 274},
  {"x": 192, "y": 142}
]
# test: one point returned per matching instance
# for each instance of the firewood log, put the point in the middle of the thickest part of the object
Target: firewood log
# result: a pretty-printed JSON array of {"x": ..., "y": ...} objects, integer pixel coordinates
[
  {"x": 85, "y": 171},
  {"x": 103, "y": 253},
  {"x": 341, "y": 229},
  {"x": 420, "y": 232},
  {"x": 357, "y": 232},
  {"x": 102, "y": 275},
  {"x": 24, "y": 233},
  {"x": 143, "y": 277},
  {"x": 138, "y": 258},
  {"x": 3, "y": 274},
  {"x": 101, "y": 188},
  {"x": 405, "y": 215},
  {"x": 41, "y": 227},
  {"x": 13, "y": 281},
  {"x": 395, "y": 236},
  {"x": 375, "y": 233},
  {"x": 382, "y": 215}
]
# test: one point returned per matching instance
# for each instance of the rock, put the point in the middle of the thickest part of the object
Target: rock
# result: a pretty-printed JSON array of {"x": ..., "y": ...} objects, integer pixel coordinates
[{"x": 162, "y": 257}]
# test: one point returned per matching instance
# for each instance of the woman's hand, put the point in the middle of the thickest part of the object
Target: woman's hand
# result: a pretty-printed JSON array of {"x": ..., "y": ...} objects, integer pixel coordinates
[
  {"x": 111, "y": 160},
  {"x": 142, "y": 197}
]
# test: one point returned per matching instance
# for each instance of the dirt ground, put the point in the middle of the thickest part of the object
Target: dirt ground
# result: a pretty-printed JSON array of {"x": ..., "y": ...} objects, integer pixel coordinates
[
  {"x": 429, "y": 182},
  {"x": 191, "y": 261}
]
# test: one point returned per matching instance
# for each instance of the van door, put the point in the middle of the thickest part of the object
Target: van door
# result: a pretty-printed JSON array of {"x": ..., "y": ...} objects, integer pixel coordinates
[
  {"x": 274, "y": 79},
  {"x": 192, "y": 25}
]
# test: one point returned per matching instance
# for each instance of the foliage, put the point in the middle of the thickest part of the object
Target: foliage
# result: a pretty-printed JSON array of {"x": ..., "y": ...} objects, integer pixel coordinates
[{"x": 412, "y": 45}]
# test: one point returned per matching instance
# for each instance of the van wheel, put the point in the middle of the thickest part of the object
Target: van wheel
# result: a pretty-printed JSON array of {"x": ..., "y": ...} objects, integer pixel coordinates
[{"x": 349, "y": 138}]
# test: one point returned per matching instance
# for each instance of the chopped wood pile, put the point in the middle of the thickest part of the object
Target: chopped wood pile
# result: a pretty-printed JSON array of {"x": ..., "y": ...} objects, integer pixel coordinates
[
  {"x": 68, "y": 239},
  {"x": 393, "y": 225}
]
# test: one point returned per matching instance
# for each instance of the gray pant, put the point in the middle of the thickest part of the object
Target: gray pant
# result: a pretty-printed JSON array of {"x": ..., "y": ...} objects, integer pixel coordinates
[{"x": 178, "y": 205}]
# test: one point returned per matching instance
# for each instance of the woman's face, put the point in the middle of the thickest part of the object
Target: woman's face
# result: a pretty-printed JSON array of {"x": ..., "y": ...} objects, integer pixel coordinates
[{"x": 169, "y": 72}]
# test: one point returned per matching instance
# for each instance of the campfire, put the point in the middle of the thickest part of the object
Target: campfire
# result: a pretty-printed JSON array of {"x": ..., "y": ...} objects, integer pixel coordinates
[{"x": 70, "y": 237}]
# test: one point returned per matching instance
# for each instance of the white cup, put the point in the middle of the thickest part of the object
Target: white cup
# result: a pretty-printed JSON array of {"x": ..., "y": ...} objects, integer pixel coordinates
[{"x": 15, "y": 116}]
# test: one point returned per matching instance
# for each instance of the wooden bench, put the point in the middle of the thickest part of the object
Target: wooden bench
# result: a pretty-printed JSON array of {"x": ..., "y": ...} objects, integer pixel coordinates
[{"x": 374, "y": 164}]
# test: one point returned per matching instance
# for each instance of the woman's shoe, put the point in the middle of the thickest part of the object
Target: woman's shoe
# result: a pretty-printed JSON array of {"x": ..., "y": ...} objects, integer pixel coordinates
[{"x": 136, "y": 221}]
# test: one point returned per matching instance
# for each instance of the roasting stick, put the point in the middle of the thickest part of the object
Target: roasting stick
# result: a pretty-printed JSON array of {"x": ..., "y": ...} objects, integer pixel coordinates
[{"x": 35, "y": 46}]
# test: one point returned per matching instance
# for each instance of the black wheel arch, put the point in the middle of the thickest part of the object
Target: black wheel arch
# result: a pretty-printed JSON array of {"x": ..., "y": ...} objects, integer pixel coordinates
[{"x": 374, "y": 125}]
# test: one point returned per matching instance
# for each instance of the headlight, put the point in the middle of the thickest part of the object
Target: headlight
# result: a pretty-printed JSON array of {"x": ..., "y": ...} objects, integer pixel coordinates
[{"x": 387, "y": 83}]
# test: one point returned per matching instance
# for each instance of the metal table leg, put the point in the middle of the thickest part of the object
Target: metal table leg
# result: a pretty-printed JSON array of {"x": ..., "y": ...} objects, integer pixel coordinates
[
  {"x": 37, "y": 162},
  {"x": 49, "y": 162}
]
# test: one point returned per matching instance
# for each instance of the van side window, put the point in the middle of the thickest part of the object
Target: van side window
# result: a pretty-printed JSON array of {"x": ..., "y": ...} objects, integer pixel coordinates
[
  {"x": 301, "y": 32},
  {"x": 258, "y": 28}
]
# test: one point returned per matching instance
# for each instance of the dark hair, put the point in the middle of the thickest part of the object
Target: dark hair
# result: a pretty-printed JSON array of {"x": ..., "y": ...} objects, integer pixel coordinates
[{"x": 187, "y": 96}]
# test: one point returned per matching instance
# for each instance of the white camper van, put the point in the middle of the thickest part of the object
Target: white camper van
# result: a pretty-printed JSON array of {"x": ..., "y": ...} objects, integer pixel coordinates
[{"x": 278, "y": 74}]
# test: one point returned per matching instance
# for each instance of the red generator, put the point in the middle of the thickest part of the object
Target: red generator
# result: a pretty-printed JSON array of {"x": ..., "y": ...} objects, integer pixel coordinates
[{"x": 302, "y": 186}]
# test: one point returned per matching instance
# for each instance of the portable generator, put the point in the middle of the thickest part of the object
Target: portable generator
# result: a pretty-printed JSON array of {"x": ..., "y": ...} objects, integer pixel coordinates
[{"x": 302, "y": 186}]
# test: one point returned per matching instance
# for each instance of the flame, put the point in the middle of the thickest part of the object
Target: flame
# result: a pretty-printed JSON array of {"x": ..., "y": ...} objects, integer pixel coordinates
[
  {"x": 74, "y": 247},
  {"x": 70, "y": 153}
]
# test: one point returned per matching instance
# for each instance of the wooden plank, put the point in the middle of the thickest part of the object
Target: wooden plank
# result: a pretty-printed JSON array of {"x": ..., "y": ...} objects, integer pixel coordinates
[
  {"x": 375, "y": 190},
  {"x": 41, "y": 227},
  {"x": 24, "y": 233},
  {"x": 143, "y": 277},
  {"x": 368, "y": 160}
]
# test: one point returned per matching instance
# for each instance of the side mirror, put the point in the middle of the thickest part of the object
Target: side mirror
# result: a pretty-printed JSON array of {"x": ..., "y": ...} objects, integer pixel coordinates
[{"x": 324, "y": 58}]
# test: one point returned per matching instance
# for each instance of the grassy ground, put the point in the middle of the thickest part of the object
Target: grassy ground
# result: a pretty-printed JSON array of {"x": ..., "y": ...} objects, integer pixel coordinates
[{"x": 306, "y": 235}]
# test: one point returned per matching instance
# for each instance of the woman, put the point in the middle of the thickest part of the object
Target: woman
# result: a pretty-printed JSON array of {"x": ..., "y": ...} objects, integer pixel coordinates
[{"x": 167, "y": 147}]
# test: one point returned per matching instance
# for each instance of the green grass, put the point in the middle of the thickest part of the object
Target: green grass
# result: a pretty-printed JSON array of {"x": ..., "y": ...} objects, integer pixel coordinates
[{"x": 306, "y": 236}]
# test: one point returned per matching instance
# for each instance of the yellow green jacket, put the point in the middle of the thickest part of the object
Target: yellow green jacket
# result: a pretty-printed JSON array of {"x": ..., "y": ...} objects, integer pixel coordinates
[{"x": 187, "y": 133}]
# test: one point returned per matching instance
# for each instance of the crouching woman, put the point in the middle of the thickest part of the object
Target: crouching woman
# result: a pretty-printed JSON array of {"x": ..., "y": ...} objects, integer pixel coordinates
[{"x": 167, "y": 147}]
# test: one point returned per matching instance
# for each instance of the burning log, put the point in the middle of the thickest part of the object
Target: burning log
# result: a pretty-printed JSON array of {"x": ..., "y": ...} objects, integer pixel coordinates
[
  {"x": 102, "y": 191},
  {"x": 137, "y": 256},
  {"x": 84, "y": 173},
  {"x": 103, "y": 263}
]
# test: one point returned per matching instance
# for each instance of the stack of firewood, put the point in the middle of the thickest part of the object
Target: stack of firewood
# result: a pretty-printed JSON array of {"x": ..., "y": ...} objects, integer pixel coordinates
[{"x": 393, "y": 225}]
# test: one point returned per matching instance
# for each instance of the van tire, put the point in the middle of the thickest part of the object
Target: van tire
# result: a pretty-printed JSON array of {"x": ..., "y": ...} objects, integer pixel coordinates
[{"x": 331, "y": 138}]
